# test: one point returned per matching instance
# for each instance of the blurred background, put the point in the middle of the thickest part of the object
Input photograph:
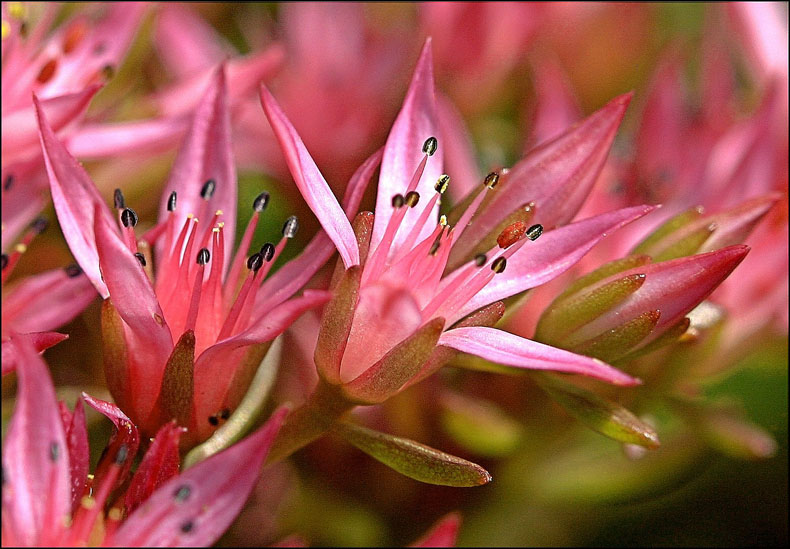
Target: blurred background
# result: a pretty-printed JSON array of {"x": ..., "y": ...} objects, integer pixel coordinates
[{"x": 707, "y": 125}]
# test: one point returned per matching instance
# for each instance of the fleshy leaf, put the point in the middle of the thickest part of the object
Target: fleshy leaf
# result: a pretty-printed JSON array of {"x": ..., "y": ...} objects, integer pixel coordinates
[
  {"x": 413, "y": 459},
  {"x": 36, "y": 486},
  {"x": 599, "y": 414},
  {"x": 310, "y": 182},
  {"x": 616, "y": 342},
  {"x": 159, "y": 463},
  {"x": 401, "y": 363},
  {"x": 441, "y": 534},
  {"x": 550, "y": 255},
  {"x": 197, "y": 506},
  {"x": 512, "y": 350},
  {"x": 416, "y": 122},
  {"x": 177, "y": 392},
  {"x": 336, "y": 325}
]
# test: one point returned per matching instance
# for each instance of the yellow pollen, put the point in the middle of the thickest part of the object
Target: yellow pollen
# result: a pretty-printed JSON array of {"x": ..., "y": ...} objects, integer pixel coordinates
[
  {"x": 21, "y": 248},
  {"x": 219, "y": 212},
  {"x": 114, "y": 514},
  {"x": 221, "y": 224},
  {"x": 215, "y": 230},
  {"x": 443, "y": 221},
  {"x": 88, "y": 502},
  {"x": 16, "y": 9},
  {"x": 6, "y": 29}
]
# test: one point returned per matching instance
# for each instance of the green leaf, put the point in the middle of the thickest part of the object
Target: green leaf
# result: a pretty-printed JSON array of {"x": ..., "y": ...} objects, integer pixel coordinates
[
  {"x": 604, "y": 271},
  {"x": 413, "y": 459},
  {"x": 614, "y": 343},
  {"x": 336, "y": 325},
  {"x": 479, "y": 425},
  {"x": 656, "y": 240}
]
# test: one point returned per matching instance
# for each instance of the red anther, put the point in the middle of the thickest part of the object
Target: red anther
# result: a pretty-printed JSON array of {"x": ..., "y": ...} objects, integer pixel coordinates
[{"x": 511, "y": 234}]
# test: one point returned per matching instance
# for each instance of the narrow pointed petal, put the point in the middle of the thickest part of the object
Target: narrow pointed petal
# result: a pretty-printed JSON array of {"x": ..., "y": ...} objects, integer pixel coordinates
[
  {"x": 311, "y": 183},
  {"x": 295, "y": 274},
  {"x": 76, "y": 432},
  {"x": 556, "y": 108},
  {"x": 133, "y": 297},
  {"x": 512, "y": 350},
  {"x": 92, "y": 141},
  {"x": 195, "y": 508},
  {"x": 125, "y": 435},
  {"x": 36, "y": 476},
  {"x": 76, "y": 201},
  {"x": 41, "y": 341},
  {"x": 551, "y": 255},
  {"x": 159, "y": 464},
  {"x": 413, "y": 459},
  {"x": 442, "y": 534},
  {"x": 557, "y": 175},
  {"x": 416, "y": 122},
  {"x": 20, "y": 127},
  {"x": 459, "y": 154},
  {"x": 336, "y": 325},
  {"x": 206, "y": 154},
  {"x": 185, "y": 42},
  {"x": 47, "y": 301}
]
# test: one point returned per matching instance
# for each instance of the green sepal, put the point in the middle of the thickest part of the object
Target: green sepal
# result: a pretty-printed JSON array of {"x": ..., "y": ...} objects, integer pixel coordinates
[
  {"x": 654, "y": 243},
  {"x": 363, "y": 230},
  {"x": 399, "y": 365},
  {"x": 599, "y": 414},
  {"x": 685, "y": 245},
  {"x": 604, "y": 271},
  {"x": 336, "y": 325},
  {"x": 479, "y": 425},
  {"x": 671, "y": 335},
  {"x": 564, "y": 315},
  {"x": 115, "y": 355},
  {"x": 614, "y": 343},
  {"x": 178, "y": 382},
  {"x": 413, "y": 459}
]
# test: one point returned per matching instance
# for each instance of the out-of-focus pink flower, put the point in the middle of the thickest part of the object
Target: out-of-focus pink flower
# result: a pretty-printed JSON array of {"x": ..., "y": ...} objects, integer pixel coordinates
[
  {"x": 48, "y": 499},
  {"x": 183, "y": 343},
  {"x": 399, "y": 298}
]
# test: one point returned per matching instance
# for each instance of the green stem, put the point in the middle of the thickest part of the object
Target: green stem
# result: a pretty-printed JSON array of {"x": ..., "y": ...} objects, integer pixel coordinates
[{"x": 311, "y": 420}]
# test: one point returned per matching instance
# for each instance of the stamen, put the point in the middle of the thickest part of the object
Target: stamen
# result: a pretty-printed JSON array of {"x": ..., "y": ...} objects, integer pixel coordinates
[
  {"x": 267, "y": 251},
  {"x": 498, "y": 265},
  {"x": 511, "y": 234},
  {"x": 118, "y": 200},
  {"x": 128, "y": 217},
  {"x": 535, "y": 231},
  {"x": 398, "y": 201},
  {"x": 491, "y": 180},
  {"x": 480, "y": 260},
  {"x": 47, "y": 71},
  {"x": 203, "y": 257},
  {"x": 9, "y": 182},
  {"x": 208, "y": 189},
  {"x": 255, "y": 262},
  {"x": 258, "y": 205},
  {"x": 430, "y": 146},
  {"x": 412, "y": 199},
  {"x": 260, "y": 202},
  {"x": 73, "y": 270},
  {"x": 141, "y": 258},
  {"x": 39, "y": 225},
  {"x": 107, "y": 72},
  {"x": 171, "y": 202},
  {"x": 182, "y": 493},
  {"x": 291, "y": 227},
  {"x": 187, "y": 527},
  {"x": 442, "y": 183}
]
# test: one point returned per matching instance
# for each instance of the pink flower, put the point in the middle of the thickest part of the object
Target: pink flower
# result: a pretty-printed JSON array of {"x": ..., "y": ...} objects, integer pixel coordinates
[
  {"x": 398, "y": 299},
  {"x": 45, "y": 474},
  {"x": 181, "y": 343}
]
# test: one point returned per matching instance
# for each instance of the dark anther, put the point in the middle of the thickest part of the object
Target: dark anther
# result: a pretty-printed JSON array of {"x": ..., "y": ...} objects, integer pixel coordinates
[
  {"x": 535, "y": 231},
  {"x": 4, "y": 261},
  {"x": 123, "y": 453},
  {"x": 290, "y": 227},
  {"x": 128, "y": 217},
  {"x": 442, "y": 183},
  {"x": 73, "y": 270},
  {"x": 39, "y": 225},
  {"x": 430, "y": 146},
  {"x": 254, "y": 262},
  {"x": 108, "y": 71},
  {"x": 182, "y": 493},
  {"x": 213, "y": 420},
  {"x": 491, "y": 180},
  {"x": 480, "y": 260},
  {"x": 171, "y": 202},
  {"x": 9, "y": 182},
  {"x": 499, "y": 265},
  {"x": 187, "y": 526},
  {"x": 203, "y": 256},
  {"x": 412, "y": 198},
  {"x": 225, "y": 413},
  {"x": 208, "y": 189},
  {"x": 54, "y": 451},
  {"x": 141, "y": 258},
  {"x": 398, "y": 201},
  {"x": 260, "y": 202},
  {"x": 118, "y": 200},
  {"x": 267, "y": 251}
]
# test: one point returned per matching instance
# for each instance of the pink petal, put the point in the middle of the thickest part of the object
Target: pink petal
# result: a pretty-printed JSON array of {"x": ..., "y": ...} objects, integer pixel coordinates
[
  {"x": 557, "y": 175},
  {"x": 550, "y": 255},
  {"x": 185, "y": 43},
  {"x": 133, "y": 297},
  {"x": 46, "y": 301},
  {"x": 673, "y": 287},
  {"x": 459, "y": 153},
  {"x": 195, "y": 508},
  {"x": 310, "y": 182},
  {"x": 79, "y": 453},
  {"x": 556, "y": 107},
  {"x": 20, "y": 129},
  {"x": 442, "y": 534},
  {"x": 295, "y": 274},
  {"x": 125, "y": 434},
  {"x": 206, "y": 154},
  {"x": 36, "y": 480},
  {"x": 40, "y": 341},
  {"x": 76, "y": 200},
  {"x": 762, "y": 28},
  {"x": 146, "y": 136},
  {"x": 512, "y": 350},
  {"x": 416, "y": 122},
  {"x": 22, "y": 202},
  {"x": 160, "y": 463}
]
